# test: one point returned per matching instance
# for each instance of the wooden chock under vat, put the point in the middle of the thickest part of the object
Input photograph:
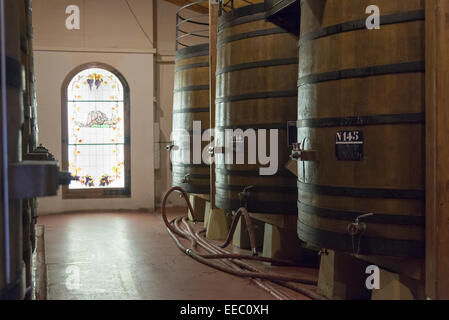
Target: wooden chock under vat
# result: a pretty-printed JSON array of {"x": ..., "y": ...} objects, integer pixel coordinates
[
  {"x": 394, "y": 286},
  {"x": 278, "y": 220},
  {"x": 207, "y": 210},
  {"x": 342, "y": 277},
  {"x": 241, "y": 235},
  {"x": 217, "y": 225},
  {"x": 283, "y": 243},
  {"x": 199, "y": 207}
]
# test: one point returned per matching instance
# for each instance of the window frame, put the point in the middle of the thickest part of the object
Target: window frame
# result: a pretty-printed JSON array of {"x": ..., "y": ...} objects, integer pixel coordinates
[{"x": 96, "y": 193}]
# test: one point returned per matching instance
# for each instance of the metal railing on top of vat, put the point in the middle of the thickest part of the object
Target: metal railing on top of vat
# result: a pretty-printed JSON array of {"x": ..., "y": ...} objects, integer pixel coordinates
[{"x": 191, "y": 29}]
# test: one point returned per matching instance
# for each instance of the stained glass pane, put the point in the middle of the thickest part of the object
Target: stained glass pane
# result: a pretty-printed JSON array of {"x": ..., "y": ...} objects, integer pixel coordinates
[
  {"x": 96, "y": 130},
  {"x": 95, "y": 84},
  {"x": 100, "y": 166},
  {"x": 95, "y": 122}
]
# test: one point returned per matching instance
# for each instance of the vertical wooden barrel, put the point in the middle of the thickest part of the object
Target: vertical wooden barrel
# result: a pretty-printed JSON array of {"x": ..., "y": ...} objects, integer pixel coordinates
[
  {"x": 14, "y": 287},
  {"x": 30, "y": 132},
  {"x": 256, "y": 89},
  {"x": 361, "y": 109},
  {"x": 191, "y": 103}
]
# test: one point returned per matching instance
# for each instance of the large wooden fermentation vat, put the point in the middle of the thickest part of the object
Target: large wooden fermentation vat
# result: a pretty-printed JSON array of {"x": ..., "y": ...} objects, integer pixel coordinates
[
  {"x": 191, "y": 103},
  {"x": 12, "y": 268},
  {"x": 256, "y": 88},
  {"x": 361, "y": 111}
]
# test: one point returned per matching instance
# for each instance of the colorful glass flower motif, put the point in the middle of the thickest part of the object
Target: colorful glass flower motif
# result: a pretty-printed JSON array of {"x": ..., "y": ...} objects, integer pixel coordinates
[
  {"x": 98, "y": 80},
  {"x": 90, "y": 80},
  {"x": 87, "y": 180},
  {"x": 105, "y": 180}
]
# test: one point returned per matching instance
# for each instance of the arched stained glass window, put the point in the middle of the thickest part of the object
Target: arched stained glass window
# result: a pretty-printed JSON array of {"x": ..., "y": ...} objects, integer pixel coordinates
[{"x": 96, "y": 134}]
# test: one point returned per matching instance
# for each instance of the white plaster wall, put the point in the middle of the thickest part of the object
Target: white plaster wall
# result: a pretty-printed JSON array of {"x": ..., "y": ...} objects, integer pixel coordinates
[
  {"x": 51, "y": 68},
  {"x": 104, "y": 24},
  {"x": 110, "y": 34},
  {"x": 166, "y": 27}
]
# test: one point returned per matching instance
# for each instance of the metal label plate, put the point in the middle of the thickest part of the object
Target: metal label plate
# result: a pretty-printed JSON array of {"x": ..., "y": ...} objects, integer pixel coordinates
[{"x": 349, "y": 145}]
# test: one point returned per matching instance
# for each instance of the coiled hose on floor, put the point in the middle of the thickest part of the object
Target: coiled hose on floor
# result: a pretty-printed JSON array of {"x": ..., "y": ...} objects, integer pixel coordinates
[{"x": 229, "y": 262}]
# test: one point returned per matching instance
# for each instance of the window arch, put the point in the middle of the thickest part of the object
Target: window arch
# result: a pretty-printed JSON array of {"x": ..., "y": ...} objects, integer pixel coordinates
[{"x": 95, "y": 131}]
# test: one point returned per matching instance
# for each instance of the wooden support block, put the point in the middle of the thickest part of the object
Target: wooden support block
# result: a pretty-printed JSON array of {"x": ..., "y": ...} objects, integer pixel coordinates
[
  {"x": 394, "y": 286},
  {"x": 199, "y": 207},
  {"x": 281, "y": 243},
  {"x": 342, "y": 277},
  {"x": 241, "y": 235},
  {"x": 207, "y": 210},
  {"x": 218, "y": 225},
  {"x": 412, "y": 268},
  {"x": 205, "y": 197}
]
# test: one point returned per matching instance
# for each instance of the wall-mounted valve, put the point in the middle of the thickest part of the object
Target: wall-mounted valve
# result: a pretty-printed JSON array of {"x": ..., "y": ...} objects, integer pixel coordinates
[
  {"x": 66, "y": 177},
  {"x": 35, "y": 178}
]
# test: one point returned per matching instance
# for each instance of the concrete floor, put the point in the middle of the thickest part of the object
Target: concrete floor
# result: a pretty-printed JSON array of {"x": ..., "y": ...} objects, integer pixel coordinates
[{"x": 131, "y": 256}]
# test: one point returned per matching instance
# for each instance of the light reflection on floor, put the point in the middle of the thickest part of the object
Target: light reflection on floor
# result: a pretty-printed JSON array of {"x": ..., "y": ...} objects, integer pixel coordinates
[{"x": 128, "y": 256}]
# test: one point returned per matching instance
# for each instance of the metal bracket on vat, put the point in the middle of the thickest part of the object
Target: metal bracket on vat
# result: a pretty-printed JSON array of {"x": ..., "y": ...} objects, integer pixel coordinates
[
  {"x": 299, "y": 154},
  {"x": 31, "y": 178},
  {"x": 357, "y": 228},
  {"x": 323, "y": 252},
  {"x": 215, "y": 150}
]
